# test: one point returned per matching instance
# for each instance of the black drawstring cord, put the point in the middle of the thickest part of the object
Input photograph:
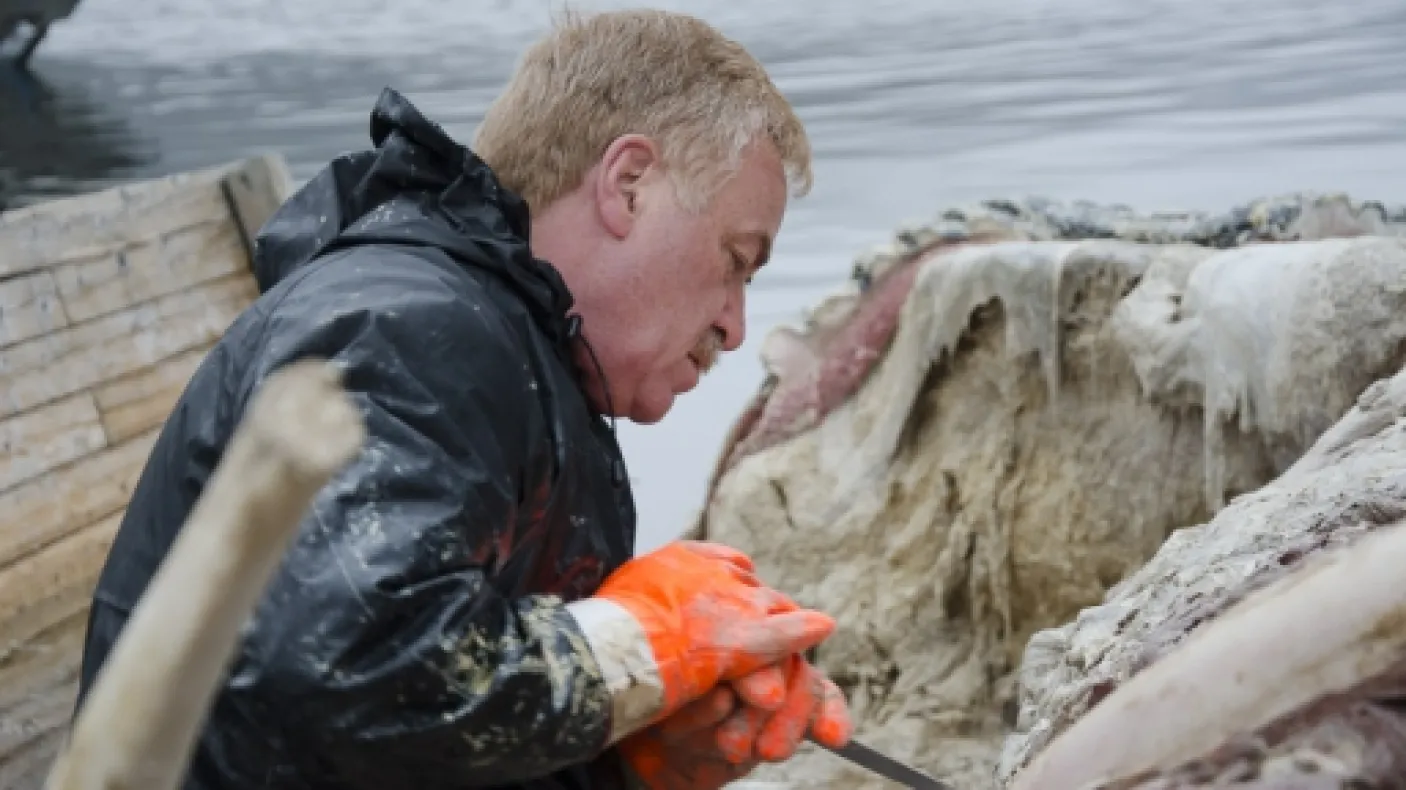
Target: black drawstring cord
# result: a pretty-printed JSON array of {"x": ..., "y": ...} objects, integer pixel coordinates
[{"x": 573, "y": 332}]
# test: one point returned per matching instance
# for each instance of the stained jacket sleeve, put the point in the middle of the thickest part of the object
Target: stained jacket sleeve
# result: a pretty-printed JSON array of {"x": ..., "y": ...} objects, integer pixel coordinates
[{"x": 383, "y": 650}]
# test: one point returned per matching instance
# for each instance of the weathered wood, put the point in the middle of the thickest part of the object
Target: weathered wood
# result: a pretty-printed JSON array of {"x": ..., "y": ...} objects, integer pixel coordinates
[
  {"x": 205, "y": 247},
  {"x": 53, "y": 584},
  {"x": 29, "y": 307},
  {"x": 70, "y": 360},
  {"x": 41, "y": 642},
  {"x": 48, "y": 662},
  {"x": 88, "y": 226},
  {"x": 25, "y": 767},
  {"x": 142, "y": 400},
  {"x": 46, "y": 438},
  {"x": 255, "y": 192},
  {"x": 108, "y": 303},
  {"x": 38, "y": 687},
  {"x": 61, "y": 502}
]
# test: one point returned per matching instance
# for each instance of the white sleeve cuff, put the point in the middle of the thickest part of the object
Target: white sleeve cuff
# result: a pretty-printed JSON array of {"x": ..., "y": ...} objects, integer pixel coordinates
[{"x": 622, "y": 650}]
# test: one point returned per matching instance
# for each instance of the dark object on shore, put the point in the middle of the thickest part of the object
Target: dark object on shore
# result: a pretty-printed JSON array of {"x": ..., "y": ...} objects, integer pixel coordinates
[{"x": 24, "y": 23}]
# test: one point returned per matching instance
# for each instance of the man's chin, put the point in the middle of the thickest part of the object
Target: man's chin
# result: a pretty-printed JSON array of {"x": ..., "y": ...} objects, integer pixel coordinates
[
  {"x": 649, "y": 416},
  {"x": 652, "y": 410}
]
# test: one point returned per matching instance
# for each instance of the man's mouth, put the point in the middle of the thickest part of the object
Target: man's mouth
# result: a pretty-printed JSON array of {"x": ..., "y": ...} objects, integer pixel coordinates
[{"x": 705, "y": 354}]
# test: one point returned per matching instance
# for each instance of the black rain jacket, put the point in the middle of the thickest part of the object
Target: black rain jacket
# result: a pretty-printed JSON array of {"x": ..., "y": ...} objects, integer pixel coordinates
[{"x": 414, "y": 638}]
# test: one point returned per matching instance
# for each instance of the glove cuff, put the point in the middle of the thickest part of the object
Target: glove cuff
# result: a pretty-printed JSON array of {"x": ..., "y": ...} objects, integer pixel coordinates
[{"x": 622, "y": 649}]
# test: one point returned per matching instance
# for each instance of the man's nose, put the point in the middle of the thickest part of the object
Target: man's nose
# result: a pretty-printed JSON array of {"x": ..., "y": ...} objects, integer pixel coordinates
[{"x": 733, "y": 321}]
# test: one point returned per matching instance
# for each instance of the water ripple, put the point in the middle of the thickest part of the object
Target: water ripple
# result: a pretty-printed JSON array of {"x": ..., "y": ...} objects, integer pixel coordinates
[{"x": 911, "y": 104}]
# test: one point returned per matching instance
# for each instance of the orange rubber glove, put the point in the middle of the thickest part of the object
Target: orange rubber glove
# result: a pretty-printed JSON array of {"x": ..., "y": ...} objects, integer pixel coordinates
[
  {"x": 811, "y": 703},
  {"x": 714, "y": 741},
  {"x": 681, "y": 752},
  {"x": 669, "y": 626}
]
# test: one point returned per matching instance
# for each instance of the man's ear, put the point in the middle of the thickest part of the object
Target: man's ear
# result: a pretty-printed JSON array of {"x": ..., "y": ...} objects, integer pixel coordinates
[{"x": 629, "y": 162}]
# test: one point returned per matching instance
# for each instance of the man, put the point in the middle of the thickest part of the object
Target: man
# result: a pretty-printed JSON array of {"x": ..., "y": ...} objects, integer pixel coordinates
[{"x": 460, "y": 609}]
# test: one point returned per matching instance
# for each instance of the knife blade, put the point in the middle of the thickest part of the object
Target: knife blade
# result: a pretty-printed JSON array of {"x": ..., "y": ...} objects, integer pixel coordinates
[{"x": 885, "y": 766}]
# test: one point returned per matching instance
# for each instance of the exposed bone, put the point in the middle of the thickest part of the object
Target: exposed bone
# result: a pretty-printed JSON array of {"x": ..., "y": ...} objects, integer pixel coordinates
[
  {"x": 139, "y": 723},
  {"x": 1339, "y": 620}
]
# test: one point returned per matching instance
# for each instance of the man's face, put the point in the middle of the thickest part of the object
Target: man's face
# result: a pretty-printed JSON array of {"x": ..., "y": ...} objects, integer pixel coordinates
[{"x": 685, "y": 300}]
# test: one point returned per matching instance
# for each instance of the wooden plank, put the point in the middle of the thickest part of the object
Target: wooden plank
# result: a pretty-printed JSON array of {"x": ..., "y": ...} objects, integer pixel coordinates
[
  {"x": 44, "y": 603},
  {"x": 82, "y": 356},
  {"x": 27, "y": 768},
  {"x": 89, "y": 226},
  {"x": 29, "y": 307},
  {"x": 49, "y": 437},
  {"x": 49, "y": 662},
  {"x": 173, "y": 259},
  {"x": 38, "y": 688},
  {"x": 142, "y": 401},
  {"x": 58, "y": 504},
  {"x": 95, "y": 225},
  {"x": 255, "y": 192},
  {"x": 108, "y": 303},
  {"x": 52, "y": 585}
]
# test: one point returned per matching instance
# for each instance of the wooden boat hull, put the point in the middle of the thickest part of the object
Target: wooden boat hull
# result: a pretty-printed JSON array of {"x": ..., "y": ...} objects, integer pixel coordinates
[{"x": 108, "y": 301}]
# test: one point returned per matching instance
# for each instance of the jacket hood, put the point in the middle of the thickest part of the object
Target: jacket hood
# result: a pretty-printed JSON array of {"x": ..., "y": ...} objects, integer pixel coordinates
[{"x": 416, "y": 186}]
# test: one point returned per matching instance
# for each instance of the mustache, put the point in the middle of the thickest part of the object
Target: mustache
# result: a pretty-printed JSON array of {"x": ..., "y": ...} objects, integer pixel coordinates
[{"x": 708, "y": 350}]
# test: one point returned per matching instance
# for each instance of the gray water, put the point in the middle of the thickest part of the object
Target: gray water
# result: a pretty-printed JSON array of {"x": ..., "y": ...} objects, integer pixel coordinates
[{"x": 911, "y": 105}]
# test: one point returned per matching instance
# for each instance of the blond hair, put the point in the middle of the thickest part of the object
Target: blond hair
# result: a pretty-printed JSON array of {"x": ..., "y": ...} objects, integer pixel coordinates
[{"x": 699, "y": 95}]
